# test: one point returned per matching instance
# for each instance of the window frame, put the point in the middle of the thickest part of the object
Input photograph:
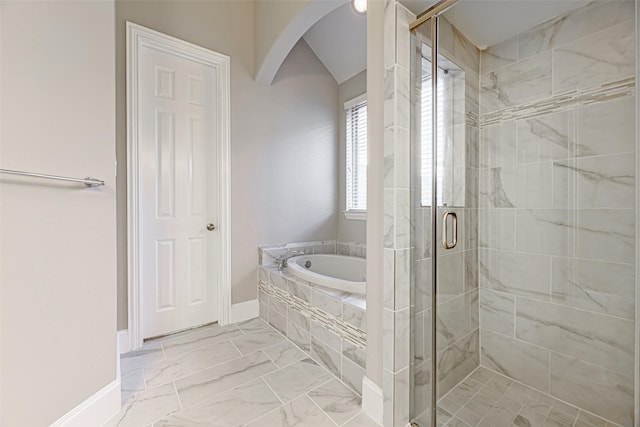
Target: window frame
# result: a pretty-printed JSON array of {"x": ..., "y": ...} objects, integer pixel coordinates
[{"x": 354, "y": 214}]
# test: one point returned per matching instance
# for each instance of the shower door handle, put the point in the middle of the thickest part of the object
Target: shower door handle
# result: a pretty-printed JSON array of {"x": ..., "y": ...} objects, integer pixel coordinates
[{"x": 445, "y": 230}]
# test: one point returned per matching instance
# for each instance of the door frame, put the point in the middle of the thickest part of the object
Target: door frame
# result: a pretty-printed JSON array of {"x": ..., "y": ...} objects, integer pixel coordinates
[{"x": 137, "y": 37}]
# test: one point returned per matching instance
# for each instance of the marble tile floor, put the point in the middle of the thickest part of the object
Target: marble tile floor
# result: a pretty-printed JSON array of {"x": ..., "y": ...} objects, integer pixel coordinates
[
  {"x": 488, "y": 399},
  {"x": 245, "y": 374}
]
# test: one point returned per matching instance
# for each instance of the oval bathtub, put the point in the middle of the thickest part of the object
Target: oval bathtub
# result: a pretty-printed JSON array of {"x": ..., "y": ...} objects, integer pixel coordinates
[{"x": 344, "y": 273}]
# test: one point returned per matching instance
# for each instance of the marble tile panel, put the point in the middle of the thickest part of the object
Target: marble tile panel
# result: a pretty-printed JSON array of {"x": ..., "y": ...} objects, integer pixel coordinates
[
  {"x": 422, "y": 291},
  {"x": 264, "y": 311},
  {"x": 516, "y": 359},
  {"x": 498, "y": 145},
  {"x": 278, "y": 280},
  {"x": 337, "y": 401},
  {"x": 362, "y": 420},
  {"x": 146, "y": 407},
  {"x": 402, "y": 335},
  {"x": 325, "y": 247},
  {"x": 457, "y": 361},
  {"x": 131, "y": 382},
  {"x": 354, "y": 316},
  {"x": 591, "y": 420},
  {"x": 422, "y": 387},
  {"x": 401, "y": 396},
  {"x": 523, "y": 81},
  {"x": 473, "y": 412},
  {"x": 563, "y": 413},
  {"x": 464, "y": 391},
  {"x": 497, "y": 228},
  {"x": 588, "y": 284},
  {"x": 499, "y": 55},
  {"x": 606, "y": 234},
  {"x": 402, "y": 218},
  {"x": 515, "y": 273},
  {"x": 324, "y": 334},
  {"x": 603, "y": 392},
  {"x": 597, "y": 182},
  {"x": 545, "y": 231},
  {"x": 278, "y": 321},
  {"x": 547, "y": 137},
  {"x": 605, "y": 56},
  {"x": 299, "y": 289},
  {"x": 299, "y": 317},
  {"x": 389, "y": 209},
  {"x": 471, "y": 270},
  {"x": 300, "y": 336},
  {"x": 354, "y": 353},
  {"x": 453, "y": 321},
  {"x": 568, "y": 27},
  {"x": 498, "y": 187},
  {"x": 352, "y": 374},
  {"x": 301, "y": 412},
  {"x": 284, "y": 353},
  {"x": 458, "y": 46},
  {"x": 482, "y": 375},
  {"x": 497, "y": 312},
  {"x": 606, "y": 127},
  {"x": 213, "y": 381},
  {"x": 256, "y": 325},
  {"x": 452, "y": 274},
  {"x": 166, "y": 371},
  {"x": 233, "y": 408},
  {"x": 604, "y": 340},
  {"x": 326, "y": 303},
  {"x": 277, "y": 305},
  {"x": 326, "y": 356},
  {"x": 199, "y": 338},
  {"x": 297, "y": 379}
]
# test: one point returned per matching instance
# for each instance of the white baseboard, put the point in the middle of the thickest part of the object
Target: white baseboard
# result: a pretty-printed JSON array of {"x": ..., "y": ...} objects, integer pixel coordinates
[
  {"x": 245, "y": 311},
  {"x": 372, "y": 400},
  {"x": 123, "y": 341},
  {"x": 96, "y": 410}
]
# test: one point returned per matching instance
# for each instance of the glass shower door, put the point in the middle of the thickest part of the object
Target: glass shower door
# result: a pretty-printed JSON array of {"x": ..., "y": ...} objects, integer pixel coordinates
[{"x": 523, "y": 205}]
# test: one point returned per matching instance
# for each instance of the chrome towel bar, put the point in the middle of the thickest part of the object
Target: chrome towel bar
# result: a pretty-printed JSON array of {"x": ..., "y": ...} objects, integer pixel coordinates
[{"x": 89, "y": 182}]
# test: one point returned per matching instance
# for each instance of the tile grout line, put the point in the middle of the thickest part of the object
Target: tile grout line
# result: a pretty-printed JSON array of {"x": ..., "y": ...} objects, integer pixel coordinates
[
  {"x": 273, "y": 391},
  {"x": 319, "y": 407}
]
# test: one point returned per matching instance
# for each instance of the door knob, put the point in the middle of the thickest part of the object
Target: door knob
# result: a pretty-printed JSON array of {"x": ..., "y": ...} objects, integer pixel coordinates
[{"x": 211, "y": 227}]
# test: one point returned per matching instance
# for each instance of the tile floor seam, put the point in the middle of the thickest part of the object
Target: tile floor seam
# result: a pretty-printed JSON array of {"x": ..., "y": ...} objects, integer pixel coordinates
[
  {"x": 282, "y": 402},
  {"x": 178, "y": 395},
  {"x": 319, "y": 407}
]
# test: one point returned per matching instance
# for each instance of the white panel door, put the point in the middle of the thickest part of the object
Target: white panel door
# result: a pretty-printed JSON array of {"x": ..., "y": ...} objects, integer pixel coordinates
[{"x": 177, "y": 101}]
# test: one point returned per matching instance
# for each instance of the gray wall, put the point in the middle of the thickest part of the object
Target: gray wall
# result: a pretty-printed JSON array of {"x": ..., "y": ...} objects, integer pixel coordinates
[
  {"x": 283, "y": 137},
  {"x": 557, "y": 209},
  {"x": 349, "y": 230},
  {"x": 58, "y": 260}
]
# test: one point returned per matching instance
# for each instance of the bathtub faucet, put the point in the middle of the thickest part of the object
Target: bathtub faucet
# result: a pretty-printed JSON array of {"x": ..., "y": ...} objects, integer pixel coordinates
[{"x": 282, "y": 261}]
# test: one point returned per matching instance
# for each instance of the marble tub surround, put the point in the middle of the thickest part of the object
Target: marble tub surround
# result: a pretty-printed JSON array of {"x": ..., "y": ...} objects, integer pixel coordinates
[
  {"x": 265, "y": 381},
  {"x": 557, "y": 209},
  {"x": 269, "y": 254},
  {"x": 328, "y": 325}
]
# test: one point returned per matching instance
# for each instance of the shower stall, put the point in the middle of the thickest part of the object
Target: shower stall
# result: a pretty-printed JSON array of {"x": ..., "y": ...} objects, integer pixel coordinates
[{"x": 522, "y": 195}]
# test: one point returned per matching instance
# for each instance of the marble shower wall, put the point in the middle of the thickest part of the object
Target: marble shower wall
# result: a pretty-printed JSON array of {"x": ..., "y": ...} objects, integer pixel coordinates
[
  {"x": 557, "y": 208},
  {"x": 457, "y": 325}
]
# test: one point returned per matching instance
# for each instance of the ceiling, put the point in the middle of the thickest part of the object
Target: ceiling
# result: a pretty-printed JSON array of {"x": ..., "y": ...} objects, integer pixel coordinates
[
  {"x": 487, "y": 22},
  {"x": 339, "y": 40}
]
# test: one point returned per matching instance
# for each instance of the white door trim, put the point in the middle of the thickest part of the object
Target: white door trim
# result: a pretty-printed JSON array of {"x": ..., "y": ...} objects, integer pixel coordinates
[{"x": 138, "y": 36}]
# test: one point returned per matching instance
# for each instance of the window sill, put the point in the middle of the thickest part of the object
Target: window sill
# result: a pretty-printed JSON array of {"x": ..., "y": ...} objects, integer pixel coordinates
[{"x": 357, "y": 215}]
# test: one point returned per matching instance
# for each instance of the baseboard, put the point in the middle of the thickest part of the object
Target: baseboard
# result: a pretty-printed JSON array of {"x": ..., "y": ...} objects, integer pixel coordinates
[
  {"x": 96, "y": 410},
  {"x": 123, "y": 341},
  {"x": 372, "y": 400},
  {"x": 245, "y": 311}
]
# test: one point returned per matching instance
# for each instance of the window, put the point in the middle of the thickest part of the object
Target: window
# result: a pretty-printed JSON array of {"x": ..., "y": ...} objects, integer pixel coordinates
[
  {"x": 356, "y": 159},
  {"x": 426, "y": 120}
]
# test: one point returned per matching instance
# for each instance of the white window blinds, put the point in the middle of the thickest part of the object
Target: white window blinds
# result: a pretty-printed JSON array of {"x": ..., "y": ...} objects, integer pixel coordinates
[
  {"x": 426, "y": 153},
  {"x": 356, "y": 154}
]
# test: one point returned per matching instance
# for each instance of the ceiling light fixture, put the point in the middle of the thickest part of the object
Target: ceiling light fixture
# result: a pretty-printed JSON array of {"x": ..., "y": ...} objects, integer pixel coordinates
[{"x": 360, "y": 6}]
